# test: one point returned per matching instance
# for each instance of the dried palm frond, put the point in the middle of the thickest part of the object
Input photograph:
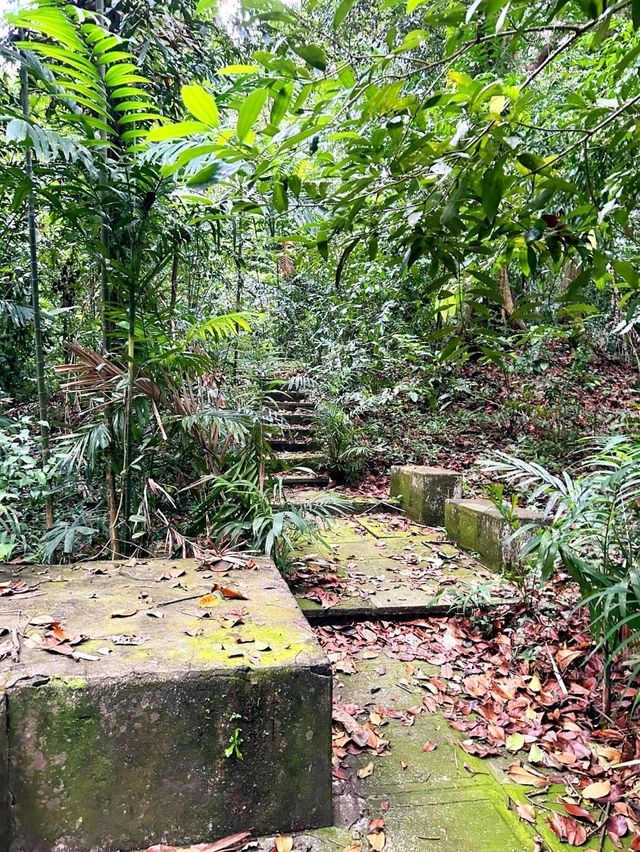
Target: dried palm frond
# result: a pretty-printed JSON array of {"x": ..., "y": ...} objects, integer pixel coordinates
[
  {"x": 286, "y": 264},
  {"x": 196, "y": 403}
]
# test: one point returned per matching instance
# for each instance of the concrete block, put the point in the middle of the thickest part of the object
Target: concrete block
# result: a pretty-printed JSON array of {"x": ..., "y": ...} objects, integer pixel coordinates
[
  {"x": 477, "y": 525},
  {"x": 127, "y": 748},
  {"x": 423, "y": 491}
]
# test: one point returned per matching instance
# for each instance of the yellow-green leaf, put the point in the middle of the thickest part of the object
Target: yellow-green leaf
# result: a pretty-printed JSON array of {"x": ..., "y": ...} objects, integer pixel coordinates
[
  {"x": 201, "y": 104},
  {"x": 231, "y": 70}
]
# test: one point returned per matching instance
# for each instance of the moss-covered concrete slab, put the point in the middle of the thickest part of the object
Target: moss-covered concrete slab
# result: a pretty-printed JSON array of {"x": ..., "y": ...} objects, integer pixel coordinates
[
  {"x": 291, "y": 460},
  {"x": 382, "y": 567},
  {"x": 424, "y": 490},
  {"x": 429, "y": 800},
  {"x": 353, "y": 504},
  {"x": 478, "y": 526},
  {"x": 173, "y": 720}
]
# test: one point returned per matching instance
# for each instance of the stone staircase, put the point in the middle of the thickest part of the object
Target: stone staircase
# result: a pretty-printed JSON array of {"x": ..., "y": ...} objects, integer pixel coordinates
[{"x": 299, "y": 460}]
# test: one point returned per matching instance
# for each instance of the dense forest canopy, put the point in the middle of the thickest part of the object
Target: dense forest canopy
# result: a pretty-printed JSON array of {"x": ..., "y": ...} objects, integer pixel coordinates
[{"x": 374, "y": 194}]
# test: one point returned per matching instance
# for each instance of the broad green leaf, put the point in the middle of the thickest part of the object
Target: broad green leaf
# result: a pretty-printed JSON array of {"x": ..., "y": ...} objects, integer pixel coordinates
[
  {"x": 280, "y": 199},
  {"x": 231, "y": 70},
  {"x": 176, "y": 131},
  {"x": 281, "y": 101},
  {"x": 627, "y": 271},
  {"x": 412, "y": 40},
  {"x": 206, "y": 5},
  {"x": 341, "y": 12},
  {"x": 201, "y": 104},
  {"x": 492, "y": 190},
  {"x": 249, "y": 112},
  {"x": 313, "y": 55}
]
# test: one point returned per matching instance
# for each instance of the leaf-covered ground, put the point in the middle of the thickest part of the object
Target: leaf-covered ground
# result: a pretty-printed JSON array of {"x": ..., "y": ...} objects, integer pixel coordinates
[{"x": 539, "y": 409}]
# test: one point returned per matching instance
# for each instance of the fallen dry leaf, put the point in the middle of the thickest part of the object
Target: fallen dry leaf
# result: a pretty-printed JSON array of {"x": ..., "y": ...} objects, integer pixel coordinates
[
  {"x": 429, "y": 746},
  {"x": 123, "y": 613},
  {"x": 527, "y": 777},
  {"x": 568, "y": 829},
  {"x": 210, "y": 600},
  {"x": 366, "y": 771},
  {"x": 597, "y": 790},
  {"x": 526, "y": 812},
  {"x": 230, "y": 594},
  {"x": 377, "y": 841},
  {"x": 577, "y": 811},
  {"x": 284, "y": 843},
  {"x": 232, "y": 843}
]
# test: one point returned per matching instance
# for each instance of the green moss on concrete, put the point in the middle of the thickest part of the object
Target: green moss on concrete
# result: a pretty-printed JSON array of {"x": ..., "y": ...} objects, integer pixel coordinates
[
  {"x": 424, "y": 490},
  {"x": 69, "y": 682},
  {"x": 66, "y": 769},
  {"x": 216, "y": 645}
]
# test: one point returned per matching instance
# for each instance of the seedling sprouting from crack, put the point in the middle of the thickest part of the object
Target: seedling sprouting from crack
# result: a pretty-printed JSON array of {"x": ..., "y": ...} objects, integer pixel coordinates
[{"x": 235, "y": 740}]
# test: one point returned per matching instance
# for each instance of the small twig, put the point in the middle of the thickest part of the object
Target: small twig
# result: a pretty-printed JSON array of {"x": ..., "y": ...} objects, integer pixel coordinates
[
  {"x": 15, "y": 645},
  {"x": 178, "y": 600},
  {"x": 603, "y": 833},
  {"x": 556, "y": 672}
]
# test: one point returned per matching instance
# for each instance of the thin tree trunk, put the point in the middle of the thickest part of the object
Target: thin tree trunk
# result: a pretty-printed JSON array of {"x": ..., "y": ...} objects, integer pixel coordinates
[
  {"x": 175, "y": 263},
  {"x": 35, "y": 299},
  {"x": 127, "y": 471},
  {"x": 508, "y": 307},
  {"x": 109, "y": 455},
  {"x": 237, "y": 244}
]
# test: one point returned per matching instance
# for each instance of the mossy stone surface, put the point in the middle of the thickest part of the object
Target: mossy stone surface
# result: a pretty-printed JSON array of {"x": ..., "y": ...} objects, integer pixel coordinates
[
  {"x": 384, "y": 569},
  {"x": 128, "y": 749},
  {"x": 443, "y": 800},
  {"x": 478, "y": 526},
  {"x": 423, "y": 491}
]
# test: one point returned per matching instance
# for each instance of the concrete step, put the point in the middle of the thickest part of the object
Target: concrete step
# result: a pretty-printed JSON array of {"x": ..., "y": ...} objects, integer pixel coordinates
[
  {"x": 291, "y": 445},
  {"x": 308, "y": 480},
  {"x": 298, "y": 406},
  {"x": 303, "y": 418},
  {"x": 354, "y": 503},
  {"x": 286, "y": 395},
  {"x": 477, "y": 526},
  {"x": 297, "y": 431},
  {"x": 121, "y": 701},
  {"x": 288, "y": 460}
]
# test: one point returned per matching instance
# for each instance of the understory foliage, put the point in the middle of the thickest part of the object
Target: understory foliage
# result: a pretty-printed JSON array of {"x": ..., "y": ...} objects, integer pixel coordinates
[
  {"x": 424, "y": 212},
  {"x": 593, "y": 532}
]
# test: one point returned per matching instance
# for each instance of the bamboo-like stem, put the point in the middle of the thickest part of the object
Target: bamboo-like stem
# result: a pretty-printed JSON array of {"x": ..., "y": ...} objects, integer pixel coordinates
[
  {"x": 110, "y": 477},
  {"x": 35, "y": 298}
]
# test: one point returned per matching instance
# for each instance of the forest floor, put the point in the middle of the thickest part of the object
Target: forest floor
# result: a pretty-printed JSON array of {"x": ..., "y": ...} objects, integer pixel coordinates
[
  {"x": 540, "y": 410},
  {"x": 466, "y": 733}
]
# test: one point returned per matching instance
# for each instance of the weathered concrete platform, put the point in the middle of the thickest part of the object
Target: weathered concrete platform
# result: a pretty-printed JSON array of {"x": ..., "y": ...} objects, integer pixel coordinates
[
  {"x": 385, "y": 567},
  {"x": 127, "y": 739},
  {"x": 479, "y": 527},
  {"x": 441, "y": 800},
  {"x": 352, "y": 504},
  {"x": 424, "y": 490}
]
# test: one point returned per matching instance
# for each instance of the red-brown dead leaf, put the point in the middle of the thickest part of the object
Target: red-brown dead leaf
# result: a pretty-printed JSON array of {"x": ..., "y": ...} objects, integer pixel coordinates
[
  {"x": 232, "y": 843},
  {"x": 229, "y": 593},
  {"x": 527, "y": 777},
  {"x": 568, "y": 830},
  {"x": 577, "y": 811}
]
